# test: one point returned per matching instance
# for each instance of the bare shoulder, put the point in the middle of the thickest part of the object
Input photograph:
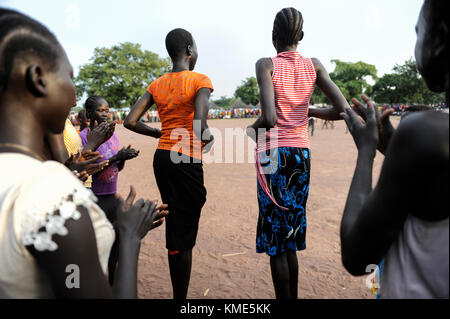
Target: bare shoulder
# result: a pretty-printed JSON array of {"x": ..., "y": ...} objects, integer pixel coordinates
[
  {"x": 416, "y": 166},
  {"x": 426, "y": 134},
  {"x": 264, "y": 64},
  {"x": 317, "y": 64}
]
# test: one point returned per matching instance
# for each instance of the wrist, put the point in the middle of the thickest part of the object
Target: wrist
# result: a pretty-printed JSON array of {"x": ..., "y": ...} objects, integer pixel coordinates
[
  {"x": 91, "y": 146},
  {"x": 130, "y": 240},
  {"x": 367, "y": 152}
]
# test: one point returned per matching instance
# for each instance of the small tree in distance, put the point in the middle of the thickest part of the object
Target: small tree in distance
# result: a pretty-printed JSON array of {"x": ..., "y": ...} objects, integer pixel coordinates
[
  {"x": 248, "y": 91},
  {"x": 120, "y": 74}
]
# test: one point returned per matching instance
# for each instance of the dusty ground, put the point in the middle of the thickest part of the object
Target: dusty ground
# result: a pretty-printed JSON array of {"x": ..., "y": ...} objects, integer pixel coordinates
[{"x": 225, "y": 264}]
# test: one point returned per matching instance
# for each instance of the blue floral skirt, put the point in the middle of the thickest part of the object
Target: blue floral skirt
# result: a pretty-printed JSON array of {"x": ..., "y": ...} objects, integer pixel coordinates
[{"x": 287, "y": 173}]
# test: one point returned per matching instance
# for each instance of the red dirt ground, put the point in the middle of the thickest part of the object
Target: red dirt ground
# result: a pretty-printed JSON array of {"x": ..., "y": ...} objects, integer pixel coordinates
[{"x": 225, "y": 264}]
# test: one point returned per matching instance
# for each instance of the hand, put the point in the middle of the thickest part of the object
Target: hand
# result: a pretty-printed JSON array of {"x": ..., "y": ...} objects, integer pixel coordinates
[
  {"x": 365, "y": 134},
  {"x": 83, "y": 176},
  {"x": 385, "y": 128},
  {"x": 135, "y": 221},
  {"x": 100, "y": 134},
  {"x": 127, "y": 153},
  {"x": 86, "y": 162},
  {"x": 157, "y": 133},
  {"x": 207, "y": 145}
]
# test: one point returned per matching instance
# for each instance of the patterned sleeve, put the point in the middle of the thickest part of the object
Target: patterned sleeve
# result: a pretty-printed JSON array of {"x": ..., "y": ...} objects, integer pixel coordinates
[
  {"x": 203, "y": 81},
  {"x": 46, "y": 201},
  {"x": 151, "y": 88}
]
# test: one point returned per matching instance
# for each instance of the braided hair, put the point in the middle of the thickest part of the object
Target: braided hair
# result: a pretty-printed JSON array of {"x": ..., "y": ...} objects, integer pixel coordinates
[
  {"x": 20, "y": 37},
  {"x": 287, "y": 27},
  {"x": 92, "y": 102}
]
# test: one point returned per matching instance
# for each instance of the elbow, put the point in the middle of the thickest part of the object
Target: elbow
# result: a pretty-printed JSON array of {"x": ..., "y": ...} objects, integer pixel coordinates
[
  {"x": 128, "y": 124},
  {"x": 270, "y": 121},
  {"x": 351, "y": 266},
  {"x": 352, "y": 260}
]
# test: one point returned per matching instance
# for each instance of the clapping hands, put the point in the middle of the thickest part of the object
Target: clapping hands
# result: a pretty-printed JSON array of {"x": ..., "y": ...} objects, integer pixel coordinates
[
  {"x": 85, "y": 164},
  {"x": 136, "y": 220}
]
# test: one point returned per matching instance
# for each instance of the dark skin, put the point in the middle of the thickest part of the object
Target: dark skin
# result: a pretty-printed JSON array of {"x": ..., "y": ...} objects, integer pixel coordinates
[
  {"x": 181, "y": 263},
  {"x": 37, "y": 101},
  {"x": 86, "y": 162},
  {"x": 268, "y": 118},
  {"x": 100, "y": 115},
  {"x": 421, "y": 140},
  {"x": 184, "y": 61},
  {"x": 84, "y": 121},
  {"x": 284, "y": 267}
]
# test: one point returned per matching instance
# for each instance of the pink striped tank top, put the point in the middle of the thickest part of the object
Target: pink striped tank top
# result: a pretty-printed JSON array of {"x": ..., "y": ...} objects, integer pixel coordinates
[{"x": 293, "y": 80}]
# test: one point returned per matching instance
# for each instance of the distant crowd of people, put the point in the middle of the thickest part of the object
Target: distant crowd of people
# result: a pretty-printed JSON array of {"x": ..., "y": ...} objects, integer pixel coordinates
[{"x": 399, "y": 109}]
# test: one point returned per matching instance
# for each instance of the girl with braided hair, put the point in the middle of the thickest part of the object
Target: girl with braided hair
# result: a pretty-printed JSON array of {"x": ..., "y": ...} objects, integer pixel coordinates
[
  {"x": 286, "y": 83},
  {"x": 54, "y": 238}
]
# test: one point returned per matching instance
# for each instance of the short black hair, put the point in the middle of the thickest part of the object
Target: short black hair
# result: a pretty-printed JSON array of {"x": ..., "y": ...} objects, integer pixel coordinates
[
  {"x": 288, "y": 26},
  {"x": 177, "y": 41},
  {"x": 21, "y": 35},
  {"x": 92, "y": 102}
]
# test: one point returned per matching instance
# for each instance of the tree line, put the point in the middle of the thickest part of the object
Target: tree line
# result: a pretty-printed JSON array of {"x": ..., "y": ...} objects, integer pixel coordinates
[{"x": 122, "y": 72}]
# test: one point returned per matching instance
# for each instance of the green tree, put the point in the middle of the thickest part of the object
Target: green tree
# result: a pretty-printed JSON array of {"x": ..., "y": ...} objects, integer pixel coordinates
[
  {"x": 224, "y": 101},
  {"x": 248, "y": 91},
  {"x": 351, "y": 78},
  {"x": 404, "y": 85},
  {"x": 120, "y": 74}
]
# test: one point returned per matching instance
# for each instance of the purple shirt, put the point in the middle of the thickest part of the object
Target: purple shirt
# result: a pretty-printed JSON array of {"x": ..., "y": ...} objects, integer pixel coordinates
[{"x": 105, "y": 182}]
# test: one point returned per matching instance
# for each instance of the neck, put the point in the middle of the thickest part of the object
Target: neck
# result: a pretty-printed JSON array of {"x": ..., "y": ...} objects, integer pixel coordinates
[
  {"x": 181, "y": 64},
  {"x": 286, "y": 48},
  {"x": 19, "y": 126}
]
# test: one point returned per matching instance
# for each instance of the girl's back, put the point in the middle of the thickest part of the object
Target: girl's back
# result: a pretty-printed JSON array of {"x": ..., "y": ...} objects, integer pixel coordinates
[{"x": 293, "y": 80}]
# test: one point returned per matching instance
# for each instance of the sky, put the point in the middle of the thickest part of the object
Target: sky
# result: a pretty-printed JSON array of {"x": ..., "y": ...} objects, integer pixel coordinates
[{"x": 232, "y": 35}]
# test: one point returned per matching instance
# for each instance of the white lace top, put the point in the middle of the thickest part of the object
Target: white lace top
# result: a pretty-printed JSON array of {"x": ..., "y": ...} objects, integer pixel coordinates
[{"x": 36, "y": 199}]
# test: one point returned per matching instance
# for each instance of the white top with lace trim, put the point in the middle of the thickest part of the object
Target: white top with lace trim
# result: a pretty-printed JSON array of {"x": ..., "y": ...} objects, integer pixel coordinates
[{"x": 36, "y": 199}]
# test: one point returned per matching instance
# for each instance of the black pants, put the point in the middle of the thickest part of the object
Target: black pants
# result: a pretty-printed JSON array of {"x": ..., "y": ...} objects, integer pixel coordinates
[{"x": 181, "y": 187}]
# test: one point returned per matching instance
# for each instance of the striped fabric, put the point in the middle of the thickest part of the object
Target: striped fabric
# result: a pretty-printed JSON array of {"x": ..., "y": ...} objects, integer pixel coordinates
[
  {"x": 72, "y": 140},
  {"x": 293, "y": 78},
  {"x": 73, "y": 143}
]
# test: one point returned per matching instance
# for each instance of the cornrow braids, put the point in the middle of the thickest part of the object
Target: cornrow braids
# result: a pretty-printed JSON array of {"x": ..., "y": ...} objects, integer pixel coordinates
[
  {"x": 92, "y": 102},
  {"x": 288, "y": 26},
  {"x": 21, "y": 35}
]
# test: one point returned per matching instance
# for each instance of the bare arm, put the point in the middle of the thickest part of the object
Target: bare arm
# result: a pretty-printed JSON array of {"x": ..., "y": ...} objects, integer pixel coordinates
[
  {"x": 332, "y": 92},
  {"x": 372, "y": 220},
  {"x": 132, "y": 120},
  {"x": 201, "y": 109},
  {"x": 79, "y": 248},
  {"x": 268, "y": 118}
]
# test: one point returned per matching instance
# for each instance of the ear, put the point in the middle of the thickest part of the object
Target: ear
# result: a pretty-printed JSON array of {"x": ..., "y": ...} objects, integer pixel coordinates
[
  {"x": 301, "y": 36},
  {"x": 36, "y": 81},
  {"x": 189, "y": 50}
]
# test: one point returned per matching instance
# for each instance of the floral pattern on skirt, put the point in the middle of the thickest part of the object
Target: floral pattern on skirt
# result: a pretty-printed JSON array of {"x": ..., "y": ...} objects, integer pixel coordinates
[{"x": 287, "y": 172}]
